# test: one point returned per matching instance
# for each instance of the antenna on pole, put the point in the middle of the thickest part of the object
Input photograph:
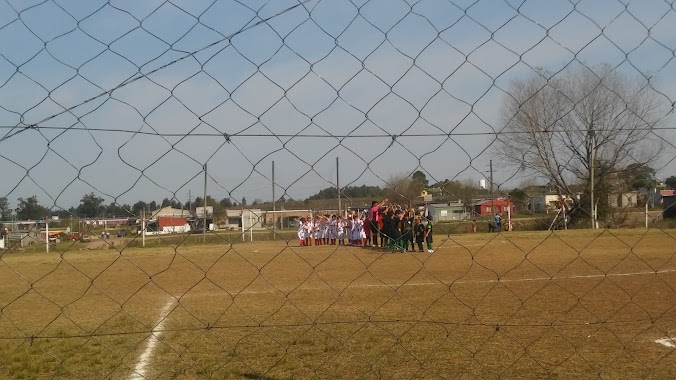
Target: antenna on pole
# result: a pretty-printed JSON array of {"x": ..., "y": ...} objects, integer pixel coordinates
[
  {"x": 204, "y": 226},
  {"x": 338, "y": 184}
]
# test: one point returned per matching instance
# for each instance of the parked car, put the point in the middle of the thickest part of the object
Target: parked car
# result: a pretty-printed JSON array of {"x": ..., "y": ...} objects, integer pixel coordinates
[
  {"x": 74, "y": 237},
  {"x": 85, "y": 238},
  {"x": 121, "y": 233}
]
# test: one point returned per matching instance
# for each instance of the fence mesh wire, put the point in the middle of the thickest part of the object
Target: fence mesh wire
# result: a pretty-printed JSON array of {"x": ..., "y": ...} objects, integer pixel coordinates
[{"x": 105, "y": 103}]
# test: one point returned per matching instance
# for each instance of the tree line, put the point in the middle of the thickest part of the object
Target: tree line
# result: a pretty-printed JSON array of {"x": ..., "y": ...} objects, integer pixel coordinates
[{"x": 400, "y": 189}]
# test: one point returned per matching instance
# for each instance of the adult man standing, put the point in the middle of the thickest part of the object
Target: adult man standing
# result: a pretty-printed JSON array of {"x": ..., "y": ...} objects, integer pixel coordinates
[
  {"x": 498, "y": 222},
  {"x": 374, "y": 217}
]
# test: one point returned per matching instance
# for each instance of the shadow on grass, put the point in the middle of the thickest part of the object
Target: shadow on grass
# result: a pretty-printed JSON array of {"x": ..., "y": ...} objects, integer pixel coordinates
[{"x": 256, "y": 376}]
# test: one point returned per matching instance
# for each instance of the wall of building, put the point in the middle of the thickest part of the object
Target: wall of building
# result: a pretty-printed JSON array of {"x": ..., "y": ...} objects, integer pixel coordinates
[
  {"x": 442, "y": 213},
  {"x": 501, "y": 206},
  {"x": 624, "y": 199},
  {"x": 167, "y": 221},
  {"x": 669, "y": 206}
]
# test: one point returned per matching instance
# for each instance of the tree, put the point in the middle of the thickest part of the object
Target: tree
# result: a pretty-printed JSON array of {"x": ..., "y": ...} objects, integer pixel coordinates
[
  {"x": 560, "y": 127},
  {"x": 638, "y": 176},
  {"x": 243, "y": 201},
  {"x": 152, "y": 205},
  {"x": 421, "y": 177},
  {"x": 225, "y": 203},
  {"x": 138, "y": 207},
  {"x": 165, "y": 203},
  {"x": 402, "y": 190},
  {"x": 114, "y": 209},
  {"x": 671, "y": 182},
  {"x": 362, "y": 191},
  {"x": 519, "y": 197},
  {"x": 5, "y": 211},
  {"x": 90, "y": 206},
  {"x": 30, "y": 209}
]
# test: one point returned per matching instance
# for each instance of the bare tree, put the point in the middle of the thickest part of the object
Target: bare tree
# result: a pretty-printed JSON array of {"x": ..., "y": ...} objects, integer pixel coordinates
[
  {"x": 578, "y": 122},
  {"x": 403, "y": 190}
]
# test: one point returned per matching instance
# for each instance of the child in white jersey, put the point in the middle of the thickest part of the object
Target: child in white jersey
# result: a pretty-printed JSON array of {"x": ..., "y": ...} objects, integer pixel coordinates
[
  {"x": 326, "y": 224},
  {"x": 301, "y": 231},
  {"x": 362, "y": 233},
  {"x": 317, "y": 228},
  {"x": 307, "y": 231},
  {"x": 340, "y": 230},
  {"x": 354, "y": 233},
  {"x": 333, "y": 226}
]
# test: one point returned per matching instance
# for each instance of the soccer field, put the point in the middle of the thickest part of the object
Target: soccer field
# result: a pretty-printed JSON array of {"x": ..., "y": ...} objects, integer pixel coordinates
[{"x": 565, "y": 304}]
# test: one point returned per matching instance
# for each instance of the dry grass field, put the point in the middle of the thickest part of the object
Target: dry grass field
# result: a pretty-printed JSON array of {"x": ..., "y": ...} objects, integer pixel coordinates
[{"x": 543, "y": 305}]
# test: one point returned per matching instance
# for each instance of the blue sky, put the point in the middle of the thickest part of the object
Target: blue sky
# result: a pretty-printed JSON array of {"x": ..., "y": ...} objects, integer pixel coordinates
[{"x": 283, "y": 89}]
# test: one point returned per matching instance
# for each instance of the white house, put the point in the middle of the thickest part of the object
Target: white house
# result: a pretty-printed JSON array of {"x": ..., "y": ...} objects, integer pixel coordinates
[
  {"x": 170, "y": 212},
  {"x": 626, "y": 199},
  {"x": 546, "y": 202},
  {"x": 244, "y": 219}
]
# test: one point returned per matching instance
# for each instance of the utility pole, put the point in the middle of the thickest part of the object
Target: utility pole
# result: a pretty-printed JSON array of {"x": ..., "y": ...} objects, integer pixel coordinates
[
  {"x": 143, "y": 227},
  {"x": 592, "y": 164},
  {"x": 274, "y": 203},
  {"x": 490, "y": 164},
  {"x": 47, "y": 233},
  {"x": 338, "y": 183},
  {"x": 204, "y": 229}
]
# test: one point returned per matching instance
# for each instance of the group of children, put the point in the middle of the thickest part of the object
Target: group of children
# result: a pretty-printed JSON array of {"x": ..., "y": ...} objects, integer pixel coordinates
[
  {"x": 331, "y": 230},
  {"x": 398, "y": 230}
]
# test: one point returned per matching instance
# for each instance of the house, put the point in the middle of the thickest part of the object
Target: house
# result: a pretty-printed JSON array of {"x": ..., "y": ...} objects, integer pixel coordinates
[
  {"x": 623, "y": 200},
  {"x": 546, "y": 202},
  {"x": 288, "y": 217},
  {"x": 424, "y": 197},
  {"x": 665, "y": 193},
  {"x": 170, "y": 212},
  {"x": 534, "y": 190},
  {"x": 252, "y": 219},
  {"x": 167, "y": 225},
  {"x": 233, "y": 220},
  {"x": 448, "y": 211},
  {"x": 244, "y": 219},
  {"x": 26, "y": 225},
  {"x": 108, "y": 222},
  {"x": 485, "y": 207},
  {"x": 669, "y": 206}
]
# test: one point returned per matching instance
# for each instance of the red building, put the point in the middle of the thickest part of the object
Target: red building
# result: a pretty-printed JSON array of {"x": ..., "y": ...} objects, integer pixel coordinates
[
  {"x": 167, "y": 221},
  {"x": 483, "y": 208},
  {"x": 168, "y": 225}
]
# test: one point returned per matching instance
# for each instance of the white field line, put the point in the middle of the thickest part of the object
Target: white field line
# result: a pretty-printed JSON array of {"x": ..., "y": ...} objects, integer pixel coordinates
[
  {"x": 367, "y": 286},
  {"x": 667, "y": 342},
  {"x": 152, "y": 341}
]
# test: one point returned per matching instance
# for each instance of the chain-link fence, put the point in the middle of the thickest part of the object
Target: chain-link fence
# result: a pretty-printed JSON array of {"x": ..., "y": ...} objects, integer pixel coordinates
[{"x": 192, "y": 189}]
